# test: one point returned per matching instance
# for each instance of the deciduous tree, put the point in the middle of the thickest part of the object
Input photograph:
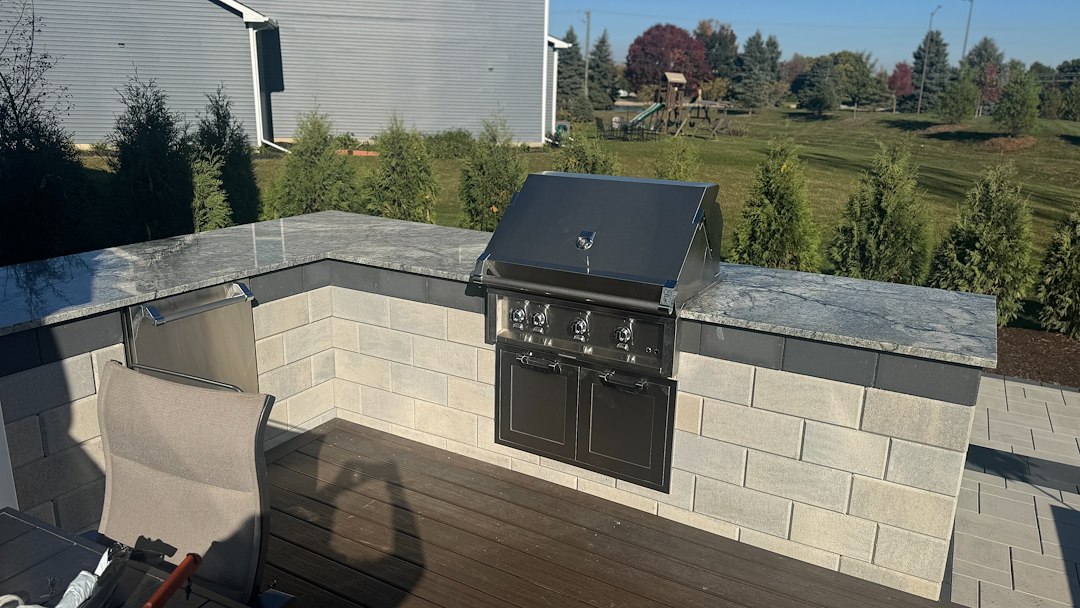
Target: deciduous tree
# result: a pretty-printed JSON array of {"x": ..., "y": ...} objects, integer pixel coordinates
[
  {"x": 882, "y": 235},
  {"x": 960, "y": 99},
  {"x": 666, "y": 48},
  {"x": 984, "y": 63},
  {"x": 721, "y": 47},
  {"x": 776, "y": 230},
  {"x": 857, "y": 81},
  {"x": 989, "y": 250},
  {"x": 900, "y": 80}
]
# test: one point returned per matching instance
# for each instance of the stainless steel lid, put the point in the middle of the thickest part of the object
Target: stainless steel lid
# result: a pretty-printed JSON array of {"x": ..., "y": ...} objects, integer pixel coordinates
[{"x": 632, "y": 243}]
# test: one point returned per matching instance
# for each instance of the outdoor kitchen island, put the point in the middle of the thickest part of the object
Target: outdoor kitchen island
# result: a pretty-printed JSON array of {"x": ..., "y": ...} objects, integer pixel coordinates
[{"x": 821, "y": 418}]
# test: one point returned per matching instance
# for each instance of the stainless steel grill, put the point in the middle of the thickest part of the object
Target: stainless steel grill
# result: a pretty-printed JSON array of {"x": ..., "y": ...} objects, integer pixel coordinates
[{"x": 584, "y": 278}]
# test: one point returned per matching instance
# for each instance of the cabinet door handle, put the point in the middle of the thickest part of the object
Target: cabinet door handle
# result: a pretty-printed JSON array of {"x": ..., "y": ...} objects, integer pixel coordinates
[
  {"x": 539, "y": 363},
  {"x": 622, "y": 383}
]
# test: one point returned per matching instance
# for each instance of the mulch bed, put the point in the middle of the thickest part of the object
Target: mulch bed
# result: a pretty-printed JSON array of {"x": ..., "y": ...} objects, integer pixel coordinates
[
  {"x": 1009, "y": 144},
  {"x": 1038, "y": 355},
  {"x": 942, "y": 129}
]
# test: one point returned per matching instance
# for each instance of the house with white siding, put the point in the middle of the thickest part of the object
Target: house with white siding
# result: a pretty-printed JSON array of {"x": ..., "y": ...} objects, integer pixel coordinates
[{"x": 437, "y": 64}]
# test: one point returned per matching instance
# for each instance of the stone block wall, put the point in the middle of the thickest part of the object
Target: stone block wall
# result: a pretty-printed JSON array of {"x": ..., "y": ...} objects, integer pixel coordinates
[{"x": 54, "y": 442}]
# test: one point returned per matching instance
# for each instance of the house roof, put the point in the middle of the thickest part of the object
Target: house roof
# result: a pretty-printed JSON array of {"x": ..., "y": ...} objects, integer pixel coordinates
[
  {"x": 250, "y": 15},
  {"x": 556, "y": 43}
]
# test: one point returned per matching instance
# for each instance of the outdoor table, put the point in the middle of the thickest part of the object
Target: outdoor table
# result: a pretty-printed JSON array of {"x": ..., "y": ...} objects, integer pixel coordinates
[{"x": 37, "y": 561}]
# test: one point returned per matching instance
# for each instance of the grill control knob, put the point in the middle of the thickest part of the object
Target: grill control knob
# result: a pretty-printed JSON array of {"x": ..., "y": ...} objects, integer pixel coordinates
[
  {"x": 539, "y": 318},
  {"x": 623, "y": 334},
  {"x": 579, "y": 326},
  {"x": 517, "y": 315}
]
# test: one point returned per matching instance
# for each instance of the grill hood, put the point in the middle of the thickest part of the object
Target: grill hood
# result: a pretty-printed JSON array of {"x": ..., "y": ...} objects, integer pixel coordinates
[{"x": 641, "y": 244}]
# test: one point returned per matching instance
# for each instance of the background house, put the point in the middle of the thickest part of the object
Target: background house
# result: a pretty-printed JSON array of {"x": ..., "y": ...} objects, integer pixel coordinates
[{"x": 438, "y": 64}]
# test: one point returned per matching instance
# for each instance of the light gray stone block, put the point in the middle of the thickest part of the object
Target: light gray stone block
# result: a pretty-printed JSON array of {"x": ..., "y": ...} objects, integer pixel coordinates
[
  {"x": 924, "y": 466},
  {"x": 890, "y": 578},
  {"x": 445, "y": 357},
  {"x": 46, "y": 478},
  {"x": 1048, "y": 562},
  {"x": 799, "y": 481},
  {"x": 1011, "y": 434},
  {"x": 24, "y": 442},
  {"x": 962, "y": 590},
  {"x": 323, "y": 366},
  {"x": 386, "y": 343},
  {"x": 446, "y": 422},
  {"x": 845, "y": 449},
  {"x": 579, "y": 473},
  {"x": 985, "y": 552},
  {"x": 44, "y": 387},
  {"x": 305, "y": 341},
  {"x": 418, "y": 318},
  {"x": 345, "y": 334},
  {"x": 361, "y": 306},
  {"x": 832, "y": 531},
  {"x": 347, "y": 396},
  {"x": 938, "y": 423},
  {"x": 362, "y": 369},
  {"x": 269, "y": 353},
  {"x": 78, "y": 509},
  {"x": 681, "y": 493},
  {"x": 716, "y": 378},
  {"x": 1004, "y": 531},
  {"x": 1055, "y": 443},
  {"x": 70, "y": 424},
  {"x": 472, "y": 451},
  {"x": 688, "y": 412},
  {"x": 418, "y": 383},
  {"x": 284, "y": 382},
  {"x": 789, "y": 548},
  {"x": 908, "y": 508},
  {"x": 1003, "y": 596},
  {"x": 384, "y": 405},
  {"x": 968, "y": 499},
  {"x": 420, "y": 436},
  {"x": 280, "y": 315},
  {"x": 751, "y": 427},
  {"x": 743, "y": 506},
  {"x": 368, "y": 421},
  {"x": 1044, "y": 393},
  {"x": 708, "y": 457},
  {"x": 911, "y": 553},
  {"x": 311, "y": 403},
  {"x": 485, "y": 366},
  {"x": 808, "y": 397},
  {"x": 535, "y": 470},
  {"x": 699, "y": 521},
  {"x": 471, "y": 396},
  {"x": 1018, "y": 419},
  {"x": 1058, "y": 585},
  {"x": 620, "y": 496},
  {"x": 321, "y": 303},
  {"x": 465, "y": 328},
  {"x": 100, "y": 357},
  {"x": 1012, "y": 510}
]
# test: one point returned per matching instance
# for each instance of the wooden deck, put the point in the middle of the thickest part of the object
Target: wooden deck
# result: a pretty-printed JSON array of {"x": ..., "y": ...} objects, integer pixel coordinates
[{"x": 363, "y": 518}]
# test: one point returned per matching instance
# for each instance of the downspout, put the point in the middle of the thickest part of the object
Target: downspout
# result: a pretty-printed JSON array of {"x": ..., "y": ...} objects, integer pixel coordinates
[
  {"x": 256, "y": 86},
  {"x": 543, "y": 77},
  {"x": 554, "y": 85}
]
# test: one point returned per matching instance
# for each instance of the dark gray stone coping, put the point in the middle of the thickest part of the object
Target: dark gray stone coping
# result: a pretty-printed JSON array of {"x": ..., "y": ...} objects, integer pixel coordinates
[{"x": 910, "y": 321}]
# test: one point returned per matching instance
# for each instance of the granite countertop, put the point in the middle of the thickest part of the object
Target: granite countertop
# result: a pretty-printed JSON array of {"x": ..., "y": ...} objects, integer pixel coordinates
[{"x": 916, "y": 321}]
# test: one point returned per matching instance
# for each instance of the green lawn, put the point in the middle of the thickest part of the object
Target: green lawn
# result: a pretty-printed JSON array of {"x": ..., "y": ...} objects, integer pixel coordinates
[{"x": 835, "y": 150}]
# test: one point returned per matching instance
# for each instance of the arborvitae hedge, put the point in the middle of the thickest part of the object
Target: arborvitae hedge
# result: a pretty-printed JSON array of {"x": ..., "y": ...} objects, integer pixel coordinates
[
  {"x": 209, "y": 206},
  {"x": 402, "y": 186},
  {"x": 776, "y": 229},
  {"x": 989, "y": 250},
  {"x": 679, "y": 160},
  {"x": 314, "y": 177},
  {"x": 586, "y": 156},
  {"x": 492, "y": 173},
  {"x": 223, "y": 135},
  {"x": 882, "y": 235},
  {"x": 1059, "y": 289}
]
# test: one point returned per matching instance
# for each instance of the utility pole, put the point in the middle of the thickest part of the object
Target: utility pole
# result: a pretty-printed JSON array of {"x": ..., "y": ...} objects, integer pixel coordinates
[
  {"x": 588, "y": 24},
  {"x": 967, "y": 29},
  {"x": 925, "y": 59}
]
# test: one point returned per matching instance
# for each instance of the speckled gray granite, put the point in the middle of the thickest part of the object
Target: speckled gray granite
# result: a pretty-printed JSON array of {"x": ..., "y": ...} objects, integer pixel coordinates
[{"x": 928, "y": 323}]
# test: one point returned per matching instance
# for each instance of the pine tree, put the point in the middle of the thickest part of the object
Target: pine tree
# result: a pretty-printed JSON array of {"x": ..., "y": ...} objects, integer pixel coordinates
[
  {"x": 776, "y": 229},
  {"x": 721, "y": 47},
  {"x": 882, "y": 236},
  {"x": 756, "y": 71},
  {"x": 209, "y": 205},
  {"x": 818, "y": 91},
  {"x": 586, "y": 156},
  {"x": 402, "y": 186},
  {"x": 314, "y": 177},
  {"x": 679, "y": 160},
  {"x": 602, "y": 89},
  {"x": 1018, "y": 110},
  {"x": 492, "y": 173},
  {"x": 1059, "y": 289},
  {"x": 223, "y": 134},
  {"x": 571, "y": 78},
  {"x": 959, "y": 101},
  {"x": 934, "y": 51},
  {"x": 989, "y": 250}
]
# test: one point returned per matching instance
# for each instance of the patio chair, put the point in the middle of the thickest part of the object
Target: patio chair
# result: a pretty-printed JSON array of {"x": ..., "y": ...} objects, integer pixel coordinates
[{"x": 185, "y": 473}]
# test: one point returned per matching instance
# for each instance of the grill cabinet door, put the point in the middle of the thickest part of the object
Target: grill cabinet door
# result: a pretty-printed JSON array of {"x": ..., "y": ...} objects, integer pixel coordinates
[
  {"x": 537, "y": 403},
  {"x": 625, "y": 426}
]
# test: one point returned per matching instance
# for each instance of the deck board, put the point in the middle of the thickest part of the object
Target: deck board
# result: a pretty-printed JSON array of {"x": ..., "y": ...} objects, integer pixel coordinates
[{"x": 385, "y": 521}]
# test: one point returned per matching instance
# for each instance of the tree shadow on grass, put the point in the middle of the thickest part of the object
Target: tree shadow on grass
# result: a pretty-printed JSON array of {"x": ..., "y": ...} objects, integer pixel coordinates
[
  {"x": 1070, "y": 139},
  {"x": 906, "y": 124},
  {"x": 962, "y": 136},
  {"x": 811, "y": 117}
]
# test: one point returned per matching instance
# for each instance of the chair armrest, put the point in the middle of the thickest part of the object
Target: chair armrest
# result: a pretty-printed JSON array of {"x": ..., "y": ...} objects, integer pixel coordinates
[{"x": 272, "y": 598}]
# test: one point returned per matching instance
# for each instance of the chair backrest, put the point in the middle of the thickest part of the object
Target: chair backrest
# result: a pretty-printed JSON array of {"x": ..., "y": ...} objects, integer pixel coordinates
[{"x": 185, "y": 466}]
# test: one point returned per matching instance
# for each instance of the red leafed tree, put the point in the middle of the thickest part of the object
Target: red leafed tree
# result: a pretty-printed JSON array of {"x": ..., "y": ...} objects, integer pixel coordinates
[
  {"x": 666, "y": 48},
  {"x": 989, "y": 83},
  {"x": 900, "y": 81}
]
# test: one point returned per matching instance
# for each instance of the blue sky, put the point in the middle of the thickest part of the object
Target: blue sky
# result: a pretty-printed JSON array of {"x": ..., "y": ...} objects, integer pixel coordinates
[{"x": 1033, "y": 30}]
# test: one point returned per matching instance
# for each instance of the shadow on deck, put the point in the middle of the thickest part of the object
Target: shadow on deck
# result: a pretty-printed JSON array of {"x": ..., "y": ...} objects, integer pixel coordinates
[{"x": 364, "y": 518}]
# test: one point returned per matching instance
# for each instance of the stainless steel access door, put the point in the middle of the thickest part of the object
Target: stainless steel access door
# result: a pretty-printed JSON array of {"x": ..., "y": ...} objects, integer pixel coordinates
[{"x": 207, "y": 334}]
